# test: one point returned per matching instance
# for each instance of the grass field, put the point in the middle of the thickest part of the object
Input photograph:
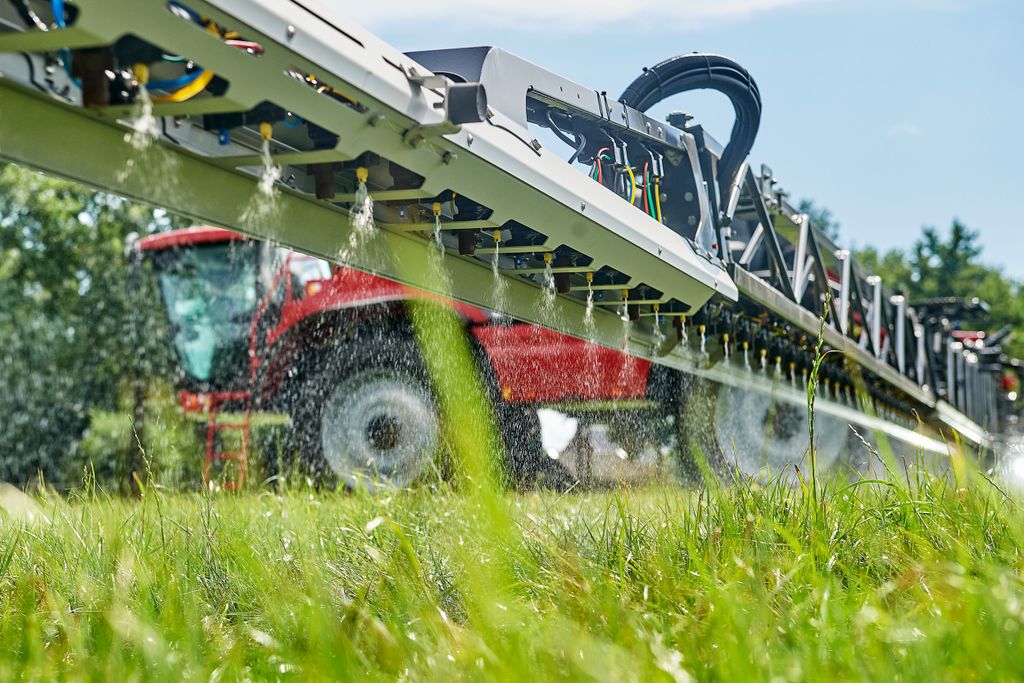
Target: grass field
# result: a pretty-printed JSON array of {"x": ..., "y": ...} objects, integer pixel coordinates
[{"x": 915, "y": 578}]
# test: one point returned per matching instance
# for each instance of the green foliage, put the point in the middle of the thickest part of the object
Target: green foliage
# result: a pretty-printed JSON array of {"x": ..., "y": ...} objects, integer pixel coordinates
[
  {"x": 947, "y": 265},
  {"x": 72, "y": 326},
  {"x": 108, "y": 448},
  {"x": 888, "y": 580}
]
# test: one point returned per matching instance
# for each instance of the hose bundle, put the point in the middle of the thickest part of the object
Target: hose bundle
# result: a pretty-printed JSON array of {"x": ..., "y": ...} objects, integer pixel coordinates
[{"x": 706, "y": 72}]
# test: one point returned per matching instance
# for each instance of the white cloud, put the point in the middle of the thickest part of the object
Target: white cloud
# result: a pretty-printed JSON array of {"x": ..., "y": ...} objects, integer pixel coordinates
[{"x": 562, "y": 15}]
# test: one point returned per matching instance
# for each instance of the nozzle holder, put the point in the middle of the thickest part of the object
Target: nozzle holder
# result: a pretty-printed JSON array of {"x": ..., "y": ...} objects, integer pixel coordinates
[{"x": 141, "y": 72}]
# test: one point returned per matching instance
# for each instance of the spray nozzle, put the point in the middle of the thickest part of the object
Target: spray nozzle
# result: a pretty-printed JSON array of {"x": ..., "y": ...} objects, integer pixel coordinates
[
  {"x": 548, "y": 257},
  {"x": 625, "y": 295},
  {"x": 141, "y": 72},
  {"x": 266, "y": 131},
  {"x": 362, "y": 174},
  {"x": 436, "y": 207},
  {"x": 497, "y": 236},
  {"x": 590, "y": 278}
]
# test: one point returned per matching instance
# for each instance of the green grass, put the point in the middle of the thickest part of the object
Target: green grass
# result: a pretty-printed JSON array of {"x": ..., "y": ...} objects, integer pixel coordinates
[{"x": 915, "y": 579}]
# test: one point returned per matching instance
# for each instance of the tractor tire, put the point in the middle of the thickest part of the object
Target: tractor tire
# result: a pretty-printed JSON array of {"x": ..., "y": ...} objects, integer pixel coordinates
[
  {"x": 364, "y": 414},
  {"x": 369, "y": 418}
]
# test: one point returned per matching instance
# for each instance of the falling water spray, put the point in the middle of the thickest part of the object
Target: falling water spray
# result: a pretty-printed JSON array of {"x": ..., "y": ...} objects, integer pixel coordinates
[{"x": 500, "y": 286}]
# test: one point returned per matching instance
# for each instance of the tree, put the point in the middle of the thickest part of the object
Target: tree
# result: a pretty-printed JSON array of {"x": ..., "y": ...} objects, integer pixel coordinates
[
  {"x": 65, "y": 308},
  {"x": 939, "y": 266}
]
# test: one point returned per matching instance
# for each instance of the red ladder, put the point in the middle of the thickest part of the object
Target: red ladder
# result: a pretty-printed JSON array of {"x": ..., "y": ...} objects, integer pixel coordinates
[{"x": 214, "y": 405}]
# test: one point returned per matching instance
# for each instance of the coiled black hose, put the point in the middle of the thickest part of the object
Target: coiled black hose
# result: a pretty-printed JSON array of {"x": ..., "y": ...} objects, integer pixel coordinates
[{"x": 706, "y": 72}]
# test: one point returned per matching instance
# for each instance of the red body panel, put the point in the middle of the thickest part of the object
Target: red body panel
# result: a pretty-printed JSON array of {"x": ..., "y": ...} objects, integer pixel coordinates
[
  {"x": 202, "y": 234},
  {"x": 348, "y": 288},
  {"x": 532, "y": 364}
]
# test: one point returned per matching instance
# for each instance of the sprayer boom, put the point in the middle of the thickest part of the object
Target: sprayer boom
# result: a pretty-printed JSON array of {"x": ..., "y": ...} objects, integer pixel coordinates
[{"x": 289, "y": 122}]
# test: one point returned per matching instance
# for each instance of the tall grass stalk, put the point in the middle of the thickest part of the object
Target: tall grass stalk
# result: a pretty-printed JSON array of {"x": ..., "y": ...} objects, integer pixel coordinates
[{"x": 812, "y": 389}]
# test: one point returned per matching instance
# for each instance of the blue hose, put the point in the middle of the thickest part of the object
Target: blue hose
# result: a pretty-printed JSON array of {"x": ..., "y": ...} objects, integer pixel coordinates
[
  {"x": 58, "y": 13},
  {"x": 175, "y": 83},
  {"x": 65, "y": 54}
]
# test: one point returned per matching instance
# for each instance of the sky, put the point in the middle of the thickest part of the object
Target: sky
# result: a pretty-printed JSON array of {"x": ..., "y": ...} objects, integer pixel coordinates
[{"x": 893, "y": 114}]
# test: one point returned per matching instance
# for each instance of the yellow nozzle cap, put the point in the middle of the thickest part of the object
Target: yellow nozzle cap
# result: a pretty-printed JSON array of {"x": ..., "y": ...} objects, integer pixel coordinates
[
  {"x": 141, "y": 72},
  {"x": 725, "y": 337},
  {"x": 625, "y": 295},
  {"x": 746, "y": 346},
  {"x": 700, "y": 328},
  {"x": 656, "y": 307},
  {"x": 266, "y": 131},
  {"x": 548, "y": 257},
  {"x": 497, "y": 236},
  {"x": 590, "y": 277},
  {"x": 362, "y": 174},
  {"x": 437, "y": 209},
  {"x": 764, "y": 352}
]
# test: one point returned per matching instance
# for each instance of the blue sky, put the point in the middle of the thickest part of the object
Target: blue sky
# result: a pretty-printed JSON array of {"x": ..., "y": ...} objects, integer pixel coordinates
[{"x": 893, "y": 114}]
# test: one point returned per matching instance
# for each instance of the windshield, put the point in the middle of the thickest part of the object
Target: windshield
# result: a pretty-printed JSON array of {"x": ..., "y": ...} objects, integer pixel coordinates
[{"x": 210, "y": 295}]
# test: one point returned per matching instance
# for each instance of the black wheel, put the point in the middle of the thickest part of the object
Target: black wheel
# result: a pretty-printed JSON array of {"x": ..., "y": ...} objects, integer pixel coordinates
[
  {"x": 731, "y": 431},
  {"x": 369, "y": 417}
]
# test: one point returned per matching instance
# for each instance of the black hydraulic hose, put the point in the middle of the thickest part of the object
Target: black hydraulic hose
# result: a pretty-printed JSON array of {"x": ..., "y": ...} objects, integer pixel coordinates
[
  {"x": 706, "y": 72},
  {"x": 578, "y": 144}
]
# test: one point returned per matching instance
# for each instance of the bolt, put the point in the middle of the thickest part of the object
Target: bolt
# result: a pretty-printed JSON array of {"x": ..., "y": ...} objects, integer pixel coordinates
[{"x": 290, "y": 31}]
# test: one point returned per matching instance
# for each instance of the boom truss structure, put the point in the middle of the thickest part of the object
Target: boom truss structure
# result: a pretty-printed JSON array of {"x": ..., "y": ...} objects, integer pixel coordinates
[{"x": 682, "y": 251}]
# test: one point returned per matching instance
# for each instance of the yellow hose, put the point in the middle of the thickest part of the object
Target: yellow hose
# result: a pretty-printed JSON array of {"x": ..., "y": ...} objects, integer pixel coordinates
[
  {"x": 657, "y": 198},
  {"x": 632, "y": 182},
  {"x": 189, "y": 91},
  {"x": 195, "y": 87}
]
